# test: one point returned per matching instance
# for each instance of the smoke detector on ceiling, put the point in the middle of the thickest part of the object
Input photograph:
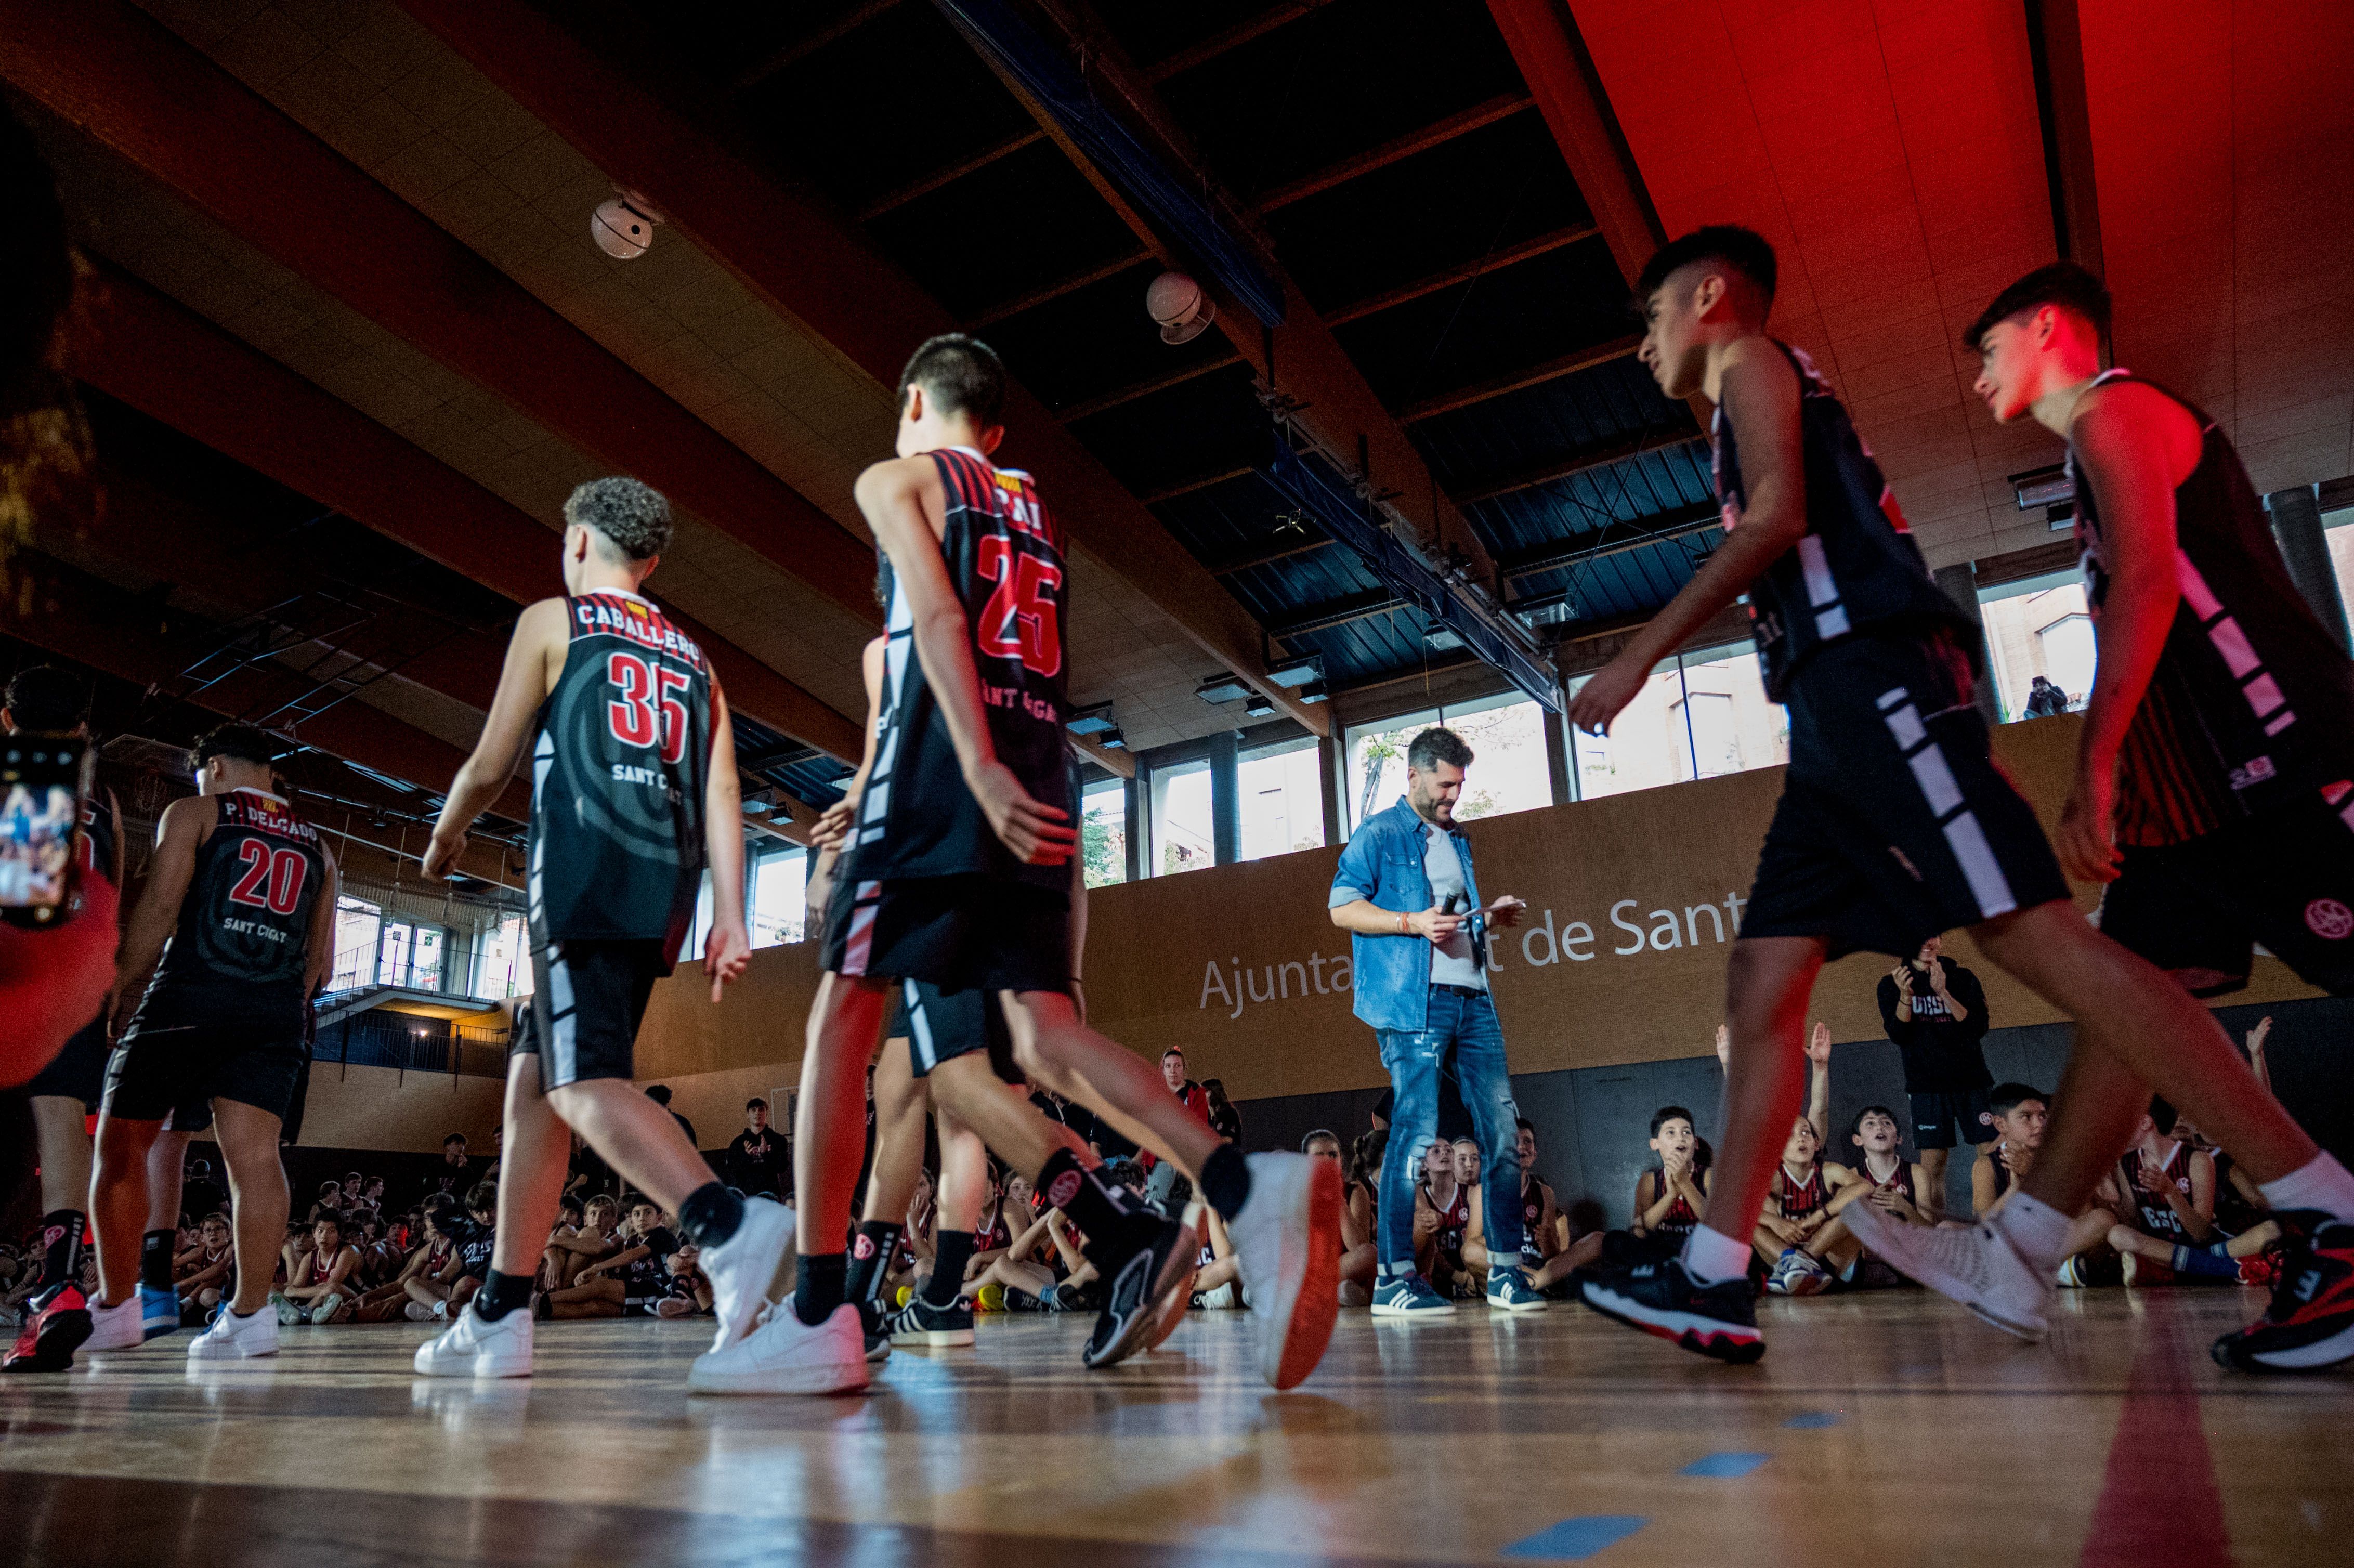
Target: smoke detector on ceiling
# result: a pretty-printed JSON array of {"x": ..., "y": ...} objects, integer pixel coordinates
[
  {"x": 1177, "y": 302},
  {"x": 623, "y": 226}
]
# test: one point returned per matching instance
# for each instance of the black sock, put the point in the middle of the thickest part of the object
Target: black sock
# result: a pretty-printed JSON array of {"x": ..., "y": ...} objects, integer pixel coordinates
[
  {"x": 156, "y": 1259},
  {"x": 710, "y": 1215},
  {"x": 819, "y": 1290},
  {"x": 870, "y": 1260},
  {"x": 1114, "y": 1221},
  {"x": 61, "y": 1232},
  {"x": 955, "y": 1251},
  {"x": 1226, "y": 1181},
  {"x": 501, "y": 1294}
]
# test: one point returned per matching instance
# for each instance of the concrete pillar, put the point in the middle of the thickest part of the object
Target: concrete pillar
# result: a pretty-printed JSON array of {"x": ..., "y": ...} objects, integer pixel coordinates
[
  {"x": 2296, "y": 525},
  {"x": 1134, "y": 800},
  {"x": 1226, "y": 806},
  {"x": 1960, "y": 582},
  {"x": 1557, "y": 768},
  {"x": 1329, "y": 760}
]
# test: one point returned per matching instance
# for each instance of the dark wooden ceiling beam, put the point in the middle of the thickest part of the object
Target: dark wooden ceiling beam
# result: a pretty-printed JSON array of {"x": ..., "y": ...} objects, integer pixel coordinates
[
  {"x": 793, "y": 54},
  {"x": 1658, "y": 529},
  {"x": 1570, "y": 467},
  {"x": 924, "y": 185},
  {"x": 1231, "y": 39},
  {"x": 1188, "y": 486},
  {"x": 1513, "y": 381},
  {"x": 1337, "y": 612},
  {"x": 1047, "y": 292},
  {"x": 799, "y": 258},
  {"x": 1494, "y": 261},
  {"x": 136, "y": 87},
  {"x": 1269, "y": 558},
  {"x": 1090, "y": 407},
  {"x": 1397, "y": 150},
  {"x": 171, "y": 364}
]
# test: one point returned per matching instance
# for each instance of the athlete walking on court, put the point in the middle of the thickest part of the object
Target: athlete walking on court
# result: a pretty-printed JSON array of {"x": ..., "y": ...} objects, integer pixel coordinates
[
  {"x": 956, "y": 876},
  {"x": 238, "y": 925},
  {"x": 633, "y": 793},
  {"x": 1894, "y": 824},
  {"x": 2214, "y": 795}
]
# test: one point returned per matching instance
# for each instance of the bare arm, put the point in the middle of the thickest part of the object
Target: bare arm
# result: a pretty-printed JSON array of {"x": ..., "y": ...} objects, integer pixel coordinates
[
  {"x": 320, "y": 958},
  {"x": 832, "y": 829},
  {"x": 2128, "y": 442},
  {"x": 1760, "y": 399},
  {"x": 181, "y": 828},
  {"x": 1818, "y": 1097},
  {"x": 727, "y": 949},
  {"x": 900, "y": 499},
  {"x": 535, "y": 659}
]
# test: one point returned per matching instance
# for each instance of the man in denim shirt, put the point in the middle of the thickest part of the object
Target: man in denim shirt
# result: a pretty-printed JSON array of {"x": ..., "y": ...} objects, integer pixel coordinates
[{"x": 1406, "y": 893}]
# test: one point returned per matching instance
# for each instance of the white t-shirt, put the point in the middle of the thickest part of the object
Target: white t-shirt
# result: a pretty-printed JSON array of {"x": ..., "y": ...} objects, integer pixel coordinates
[{"x": 1452, "y": 963}]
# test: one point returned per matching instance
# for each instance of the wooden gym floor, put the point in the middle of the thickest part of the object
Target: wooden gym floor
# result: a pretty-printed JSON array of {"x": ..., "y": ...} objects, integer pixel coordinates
[{"x": 1887, "y": 1429}]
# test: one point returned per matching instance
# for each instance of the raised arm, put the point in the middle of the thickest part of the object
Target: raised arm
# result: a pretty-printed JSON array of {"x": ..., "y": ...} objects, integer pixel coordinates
[
  {"x": 535, "y": 659},
  {"x": 1818, "y": 1097}
]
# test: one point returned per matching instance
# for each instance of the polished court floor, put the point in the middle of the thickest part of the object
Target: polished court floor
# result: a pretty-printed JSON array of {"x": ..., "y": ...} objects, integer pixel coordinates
[{"x": 1886, "y": 1429}]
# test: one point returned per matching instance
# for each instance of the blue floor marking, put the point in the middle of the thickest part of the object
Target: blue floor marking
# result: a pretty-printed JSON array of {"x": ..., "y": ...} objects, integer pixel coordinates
[
  {"x": 1575, "y": 1540},
  {"x": 1807, "y": 1420},
  {"x": 1723, "y": 1466}
]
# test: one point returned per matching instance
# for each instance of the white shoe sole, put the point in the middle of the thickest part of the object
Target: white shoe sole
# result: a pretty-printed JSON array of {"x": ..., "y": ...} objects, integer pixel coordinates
[
  {"x": 1445, "y": 1308},
  {"x": 935, "y": 1339},
  {"x": 751, "y": 1279},
  {"x": 1679, "y": 1327},
  {"x": 1880, "y": 1237},
  {"x": 1296, "y": 1309}
]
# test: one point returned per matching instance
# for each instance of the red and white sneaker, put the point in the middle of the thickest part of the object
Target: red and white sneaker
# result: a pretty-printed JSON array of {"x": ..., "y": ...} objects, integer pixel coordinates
[
  {"x": 2310, "y": 1322},
  {"x": 56, "y": 1324}
]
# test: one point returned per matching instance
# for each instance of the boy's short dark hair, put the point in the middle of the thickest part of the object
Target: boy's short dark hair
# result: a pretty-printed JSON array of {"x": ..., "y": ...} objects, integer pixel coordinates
[
  {"x": 2061, "y": 284},
  {"x": 1434, "y": 746},
  {"x": 1743, "y": 250},
  {"x": 453, "y": 1138},
  {"x": 756, "y": 1103},
  {"x": 1522, "y": 1124},
  {"x": 1856, "y": 1125},
  {"x": 1666, "y": 1114},
  {"x": 628, "y": 515},
  {"x": 484, "y": 1197},
  {"x": 239, "y": 742},
  {"x": 2006, "y": 1098},
  {"x": 2161, "y": 1113},
  {"x": 961, "y": 374},
  {"x": 44, "y": 697}
]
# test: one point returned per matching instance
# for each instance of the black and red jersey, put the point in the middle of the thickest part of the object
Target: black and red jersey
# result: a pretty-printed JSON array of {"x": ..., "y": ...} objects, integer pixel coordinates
[
  {"x": 1453, "y": 1220},
  {"x": 1800, "y": 1199},
  {"x": 2155, "y": 1215},
  {"x": 1901, "y": 1181},
  {"x": 2252, "y": 703},
  {"x": 1004, "y": 558},
  {"x": 1856, "y": 568},
  {"x": 618, "y": 774},
  {"x": 1682, "y": 1219},
  {"x": 245, "y": 921}
]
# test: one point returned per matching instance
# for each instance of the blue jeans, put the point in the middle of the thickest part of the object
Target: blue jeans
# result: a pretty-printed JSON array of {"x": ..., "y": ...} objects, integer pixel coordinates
[{"x": 1467, "y": 1026}]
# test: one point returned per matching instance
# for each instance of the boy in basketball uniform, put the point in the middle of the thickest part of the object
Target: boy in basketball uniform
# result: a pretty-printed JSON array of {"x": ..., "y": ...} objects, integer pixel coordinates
[
  {"x": 958, "y": 877},
  {"x": 1894, "y": 824},
  {"x": 2166, "y": 1187},
  {"x": 633, "y": 793},
  {"x": 46, "y": 700},
  {"x": 238, "y": 926},
  {"x": 2214, "y": 795}
]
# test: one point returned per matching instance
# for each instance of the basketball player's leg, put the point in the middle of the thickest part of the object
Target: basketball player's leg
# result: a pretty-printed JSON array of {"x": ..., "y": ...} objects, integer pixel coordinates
[
  {"x": 938, "y": 1316},
  {"x": 258, "y": 1196},
  {"x": 902, "y": 1104},
  {"x": 61, "y": 1133}
]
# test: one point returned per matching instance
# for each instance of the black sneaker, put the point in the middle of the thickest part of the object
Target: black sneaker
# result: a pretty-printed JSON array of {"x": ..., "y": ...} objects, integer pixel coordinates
[
  {"x": 2310, "y": 1322},
  {"x": 1660, "y": 1298},
  {"x": 870, "y": 1324},
  {"x": 921, "y": 1323},
  {"x": 1136, "y": 1290}
]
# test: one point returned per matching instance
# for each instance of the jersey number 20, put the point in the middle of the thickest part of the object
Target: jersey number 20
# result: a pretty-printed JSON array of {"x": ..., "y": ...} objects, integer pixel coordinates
[
  {"x": 1020, "y": 619},
  {"x": 272, "y": 879},
  {"x": 632, "y": 716}
]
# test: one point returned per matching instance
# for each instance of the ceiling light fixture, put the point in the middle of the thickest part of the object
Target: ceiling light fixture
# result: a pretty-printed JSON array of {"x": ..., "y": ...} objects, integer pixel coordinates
[
  {"x": 623, "y": 225},
  {"x": 1223, "y": 689},
  {"x": 1177, "y": 302},
  {"x": 1300, "y": 672}
]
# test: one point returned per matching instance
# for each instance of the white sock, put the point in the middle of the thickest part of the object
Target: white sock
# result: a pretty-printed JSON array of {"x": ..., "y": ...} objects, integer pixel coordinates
[
  {"x": 1713, "y": 1257},
  {"x": 2319, "y": 1183},
  {"x": 2036, "y": 1230}
]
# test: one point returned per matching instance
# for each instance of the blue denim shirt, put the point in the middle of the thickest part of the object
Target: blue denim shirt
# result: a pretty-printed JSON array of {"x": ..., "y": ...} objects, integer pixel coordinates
[{"x": 1382, "y": 865}]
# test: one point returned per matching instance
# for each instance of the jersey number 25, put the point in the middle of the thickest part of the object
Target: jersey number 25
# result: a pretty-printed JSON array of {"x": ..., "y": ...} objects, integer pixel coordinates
[
  {"x": 1020, "y": 619},
  {"x": 644, "y": 688}
]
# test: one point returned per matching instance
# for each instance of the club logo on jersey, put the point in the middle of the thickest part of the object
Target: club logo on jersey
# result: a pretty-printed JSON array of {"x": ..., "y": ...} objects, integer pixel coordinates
[
  {"x": 1065, "y": 1188},
  {"x": 865, "y": 1248},
  {"x": 2330, "y": 920}
]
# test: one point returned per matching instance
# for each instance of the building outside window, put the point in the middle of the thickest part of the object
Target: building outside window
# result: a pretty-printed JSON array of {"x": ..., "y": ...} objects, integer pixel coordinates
[
  {"x": 778, "y": 894},
  {"x": 1281, "y": 800},
  {"x": 1181, "y": 818},
  {"x": 1103, "y": 831},
  {"x": 1505, "y": 733},
  {"x": 2038, "y": 626},
  {"x": 502, "y": 960},
  {"x": 358, "y": 929},
  {"x": 1701, "y": 716}
]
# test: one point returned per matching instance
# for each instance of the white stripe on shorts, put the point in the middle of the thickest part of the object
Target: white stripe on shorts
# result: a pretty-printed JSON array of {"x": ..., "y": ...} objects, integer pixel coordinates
[{"x": 1989, "y": 888}]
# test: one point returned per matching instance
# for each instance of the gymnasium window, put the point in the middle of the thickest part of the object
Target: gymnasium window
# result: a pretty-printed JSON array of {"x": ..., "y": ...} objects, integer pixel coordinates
[
  {"x": 358, "y": 928},
  {"x": 1508, "y": 773},
  {"x": 1701, "y": 716},
  {"x": 1181, "y": 818},
  {"x": 1103, "y": 831},
  {"x": 502, "y": 960},
  {"x": 1282, "y": 796},
  {"x": 2039, "y": 626},
  {"x": 778, "y": 893}
]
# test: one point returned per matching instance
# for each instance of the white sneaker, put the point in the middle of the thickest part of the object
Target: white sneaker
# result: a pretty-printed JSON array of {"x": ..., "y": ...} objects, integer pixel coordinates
[
  {"x": 418, "y": 1312},
  {"x": 1287, "y": 1248},
  {"x": 116, "y": 1328},
  {"x": 784, "y": 1355},
  {"x": 232, "y": 1338},
  {"x": 1977, "y": 1268},
  {"x": 473, "y": 1348},
  {"x": 743, "y": 1270}
]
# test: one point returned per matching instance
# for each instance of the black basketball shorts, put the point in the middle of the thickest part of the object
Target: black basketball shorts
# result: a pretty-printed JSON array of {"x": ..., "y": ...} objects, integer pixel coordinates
[
  {"x": 587, "y": 998},
  {"x": 2284, "y": 878},
  {"x": 78, "y": 1072},
  {"x": 1937, "y": 1117},
  {"x": 940, "y": 1026},
  {"x": 185, "y": 1049},
  {"x": 1894, "y": 824},
  {"x": 959, "y": 933}
]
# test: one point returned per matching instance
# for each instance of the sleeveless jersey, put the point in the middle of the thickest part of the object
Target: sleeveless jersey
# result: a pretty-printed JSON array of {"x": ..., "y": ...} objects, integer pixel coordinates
[
  {"x": 1453, "y": 1220},
  {"x": 1800, "y": 1199},
  {"x": 1004, "y": 558},
  {"x": 1681, "y": 1220},
  {"x": 2158, "y": 1216},
  {"x": 617, "y": 779},
  {"x": 992, "y": 1233},
  {"x": 1856, "y": 568},
  {"x": 2252, "y": 704},
  {"x": 246, "y": 919},
  {"x": 1899, "y": 1183}
]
